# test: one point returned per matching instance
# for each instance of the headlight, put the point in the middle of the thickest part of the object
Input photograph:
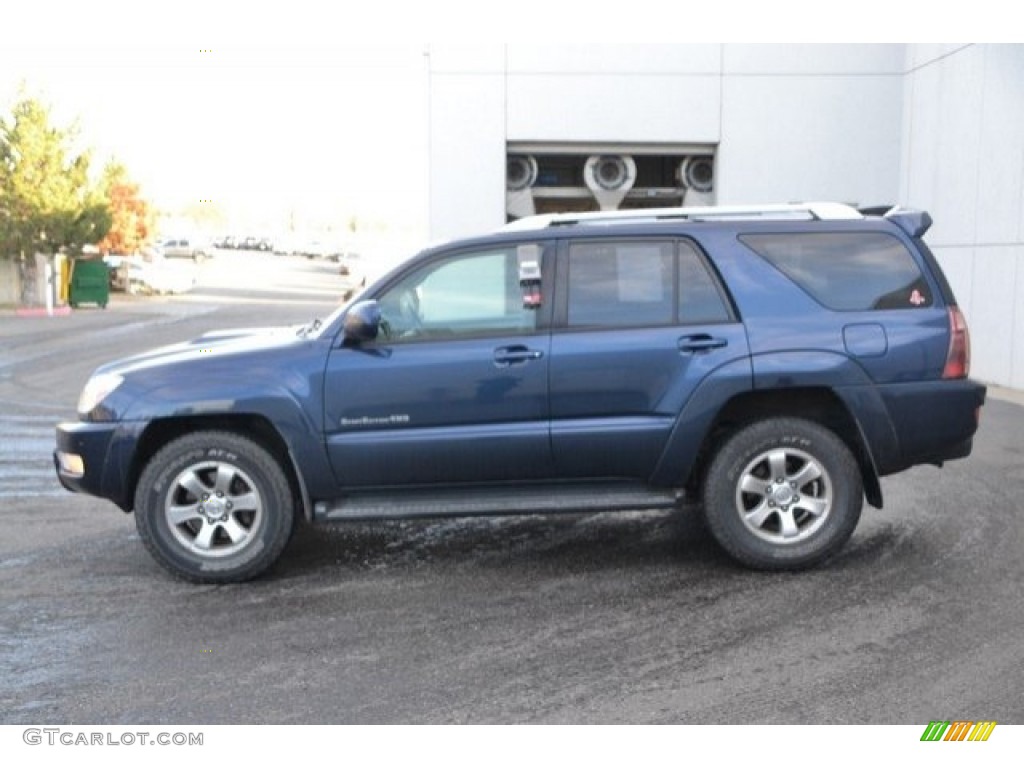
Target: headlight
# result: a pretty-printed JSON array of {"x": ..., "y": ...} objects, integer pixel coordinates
[{"x": 96, "y": 390}]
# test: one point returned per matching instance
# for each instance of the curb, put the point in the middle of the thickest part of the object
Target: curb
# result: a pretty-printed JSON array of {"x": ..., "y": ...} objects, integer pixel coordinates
[{"x": 41, "y": 312}]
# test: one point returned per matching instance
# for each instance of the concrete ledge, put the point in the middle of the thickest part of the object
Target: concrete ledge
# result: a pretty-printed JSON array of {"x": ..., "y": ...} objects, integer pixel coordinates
[{"x": 1015, "y": 396}]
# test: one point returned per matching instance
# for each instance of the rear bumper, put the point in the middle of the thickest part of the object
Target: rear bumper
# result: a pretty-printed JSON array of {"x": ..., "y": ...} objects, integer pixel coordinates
[{"x": 934, "y": 421}]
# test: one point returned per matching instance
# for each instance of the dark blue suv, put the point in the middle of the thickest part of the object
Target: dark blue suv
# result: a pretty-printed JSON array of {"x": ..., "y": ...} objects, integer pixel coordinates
[{"x": 771, "y": 362}]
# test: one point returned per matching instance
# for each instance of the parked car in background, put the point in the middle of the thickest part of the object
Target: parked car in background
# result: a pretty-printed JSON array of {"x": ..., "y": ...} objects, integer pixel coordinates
[
  {"x": 352, "y": 266},
  {"x": 286, "y": 245},
  {"x": 251, "y": 243},
  {"x": 150, "y": 272},
  {"x": 187, "y": 248},
  {"x": 318, "y": 248}
]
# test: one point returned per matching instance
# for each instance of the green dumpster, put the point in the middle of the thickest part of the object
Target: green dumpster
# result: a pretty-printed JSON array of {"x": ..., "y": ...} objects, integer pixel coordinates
[{"x": 90, "y": 283}]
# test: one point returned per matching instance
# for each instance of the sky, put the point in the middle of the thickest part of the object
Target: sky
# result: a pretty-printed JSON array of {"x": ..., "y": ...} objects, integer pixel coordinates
[{"x": 267, "y": 133}]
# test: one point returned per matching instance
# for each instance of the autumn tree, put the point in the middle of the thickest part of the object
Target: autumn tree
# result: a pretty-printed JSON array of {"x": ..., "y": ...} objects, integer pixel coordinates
[
  {"x": 133, "y": 220},
  {"x": 47, "y": 201}
]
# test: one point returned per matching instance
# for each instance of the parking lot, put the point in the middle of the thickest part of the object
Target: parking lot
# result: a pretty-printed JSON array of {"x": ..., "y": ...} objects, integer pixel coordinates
[{"x": 604, "y": 618}]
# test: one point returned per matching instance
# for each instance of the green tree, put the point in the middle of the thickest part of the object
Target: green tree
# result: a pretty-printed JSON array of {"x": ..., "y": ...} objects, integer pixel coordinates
[
  {"x": 47, "y": 201},
  {"x": 133, "y": 220}
]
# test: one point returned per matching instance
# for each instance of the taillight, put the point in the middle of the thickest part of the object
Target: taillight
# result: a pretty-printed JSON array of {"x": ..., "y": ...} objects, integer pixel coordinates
[{"x": 958, "y": 359}]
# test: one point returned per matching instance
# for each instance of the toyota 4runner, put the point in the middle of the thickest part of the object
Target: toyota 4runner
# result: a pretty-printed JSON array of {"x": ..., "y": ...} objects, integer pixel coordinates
[{"x": 771, "y": 362}]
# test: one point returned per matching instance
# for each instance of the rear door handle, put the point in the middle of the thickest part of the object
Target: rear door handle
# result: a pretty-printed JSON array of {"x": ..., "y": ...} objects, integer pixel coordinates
[
  {"x": 701, "y": 342},
  {"x": 515, "y": 355}
]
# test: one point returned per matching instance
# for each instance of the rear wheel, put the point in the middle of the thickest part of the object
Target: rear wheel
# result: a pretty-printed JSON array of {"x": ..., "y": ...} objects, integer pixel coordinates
[
  {"x": 214, "y": 507},
  {"x": 783, "y": 493}
]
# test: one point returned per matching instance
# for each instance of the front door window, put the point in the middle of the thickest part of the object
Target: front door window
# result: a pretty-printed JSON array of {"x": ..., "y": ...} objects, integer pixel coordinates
[{"x": 463, "y": 296}]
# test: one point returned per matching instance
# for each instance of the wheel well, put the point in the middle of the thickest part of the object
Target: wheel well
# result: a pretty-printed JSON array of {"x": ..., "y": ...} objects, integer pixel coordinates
[
  {"x": 814, "y": 404},
  {"x": 257, "y": 428}
]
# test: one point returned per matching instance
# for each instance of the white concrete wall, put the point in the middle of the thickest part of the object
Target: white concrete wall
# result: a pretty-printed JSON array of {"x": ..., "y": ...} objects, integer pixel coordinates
[
  {"x": 10, "y": 282},
  {"x": 963, "y": 161},
  {"x": 467, "y": 140},
  {"x": 621, "y": 94},
  {"x": 789, "y": 122},
  {"x": 810, "y": 123}
]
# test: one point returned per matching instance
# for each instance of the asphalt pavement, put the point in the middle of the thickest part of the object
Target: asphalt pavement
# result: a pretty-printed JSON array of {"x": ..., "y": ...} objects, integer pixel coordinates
[{"x": 605, "y": 618}]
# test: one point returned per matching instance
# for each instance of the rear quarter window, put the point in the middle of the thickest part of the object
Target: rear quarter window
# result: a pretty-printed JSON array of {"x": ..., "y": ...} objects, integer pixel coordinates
[{"x": 847, "y": 271}]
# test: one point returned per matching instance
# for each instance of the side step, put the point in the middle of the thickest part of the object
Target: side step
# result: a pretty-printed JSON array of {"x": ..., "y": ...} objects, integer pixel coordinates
[{"x": 528, "y": 500}]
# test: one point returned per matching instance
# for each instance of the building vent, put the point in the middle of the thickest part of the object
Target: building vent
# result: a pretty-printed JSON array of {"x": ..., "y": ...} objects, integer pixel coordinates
[
  {"x": 573, "y": 178},
  {"x": 609, "y": 178}
]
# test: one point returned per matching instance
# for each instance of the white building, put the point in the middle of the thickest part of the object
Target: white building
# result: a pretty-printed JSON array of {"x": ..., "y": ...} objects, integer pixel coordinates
[{"x": 936, "y": 127}]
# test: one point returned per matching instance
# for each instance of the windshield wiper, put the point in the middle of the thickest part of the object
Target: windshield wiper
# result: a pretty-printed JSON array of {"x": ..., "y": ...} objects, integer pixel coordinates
[{"x": 311, "y": 328}]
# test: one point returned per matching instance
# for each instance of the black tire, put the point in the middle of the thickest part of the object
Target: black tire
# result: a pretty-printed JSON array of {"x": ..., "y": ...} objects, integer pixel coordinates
[
  {"x": 214, "y": 507},
  {"x": 788, "y": 525}
]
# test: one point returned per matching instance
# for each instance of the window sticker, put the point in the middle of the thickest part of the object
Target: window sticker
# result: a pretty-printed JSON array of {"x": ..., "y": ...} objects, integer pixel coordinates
[{"x": 640, "y": 278}]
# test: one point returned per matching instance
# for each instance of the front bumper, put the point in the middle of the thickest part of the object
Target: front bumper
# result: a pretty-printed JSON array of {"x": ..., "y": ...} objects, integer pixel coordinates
[{"x": 92, "y": 458}]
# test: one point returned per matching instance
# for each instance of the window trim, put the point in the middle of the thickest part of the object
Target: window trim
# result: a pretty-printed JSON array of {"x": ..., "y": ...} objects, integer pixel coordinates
[{"x": 732, "y": 316}]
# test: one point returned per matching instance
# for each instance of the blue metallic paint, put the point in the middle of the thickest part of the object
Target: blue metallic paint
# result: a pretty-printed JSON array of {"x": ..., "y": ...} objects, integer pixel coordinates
[
  {"x": 267, "y": 373},
  {"x": 628, "y": 403},
  {"x": 616, "y": 395},
  {"x": 482, "y": 420},
  {"x": 696, "y": 419}
]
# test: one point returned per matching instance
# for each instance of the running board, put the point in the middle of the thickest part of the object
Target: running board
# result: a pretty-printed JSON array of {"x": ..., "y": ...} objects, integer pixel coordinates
[{"x": 461, "y": 502}]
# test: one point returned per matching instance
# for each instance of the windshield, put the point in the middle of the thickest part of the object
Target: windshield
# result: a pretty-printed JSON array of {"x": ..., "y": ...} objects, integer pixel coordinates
[{"x": 315, "y": 328}]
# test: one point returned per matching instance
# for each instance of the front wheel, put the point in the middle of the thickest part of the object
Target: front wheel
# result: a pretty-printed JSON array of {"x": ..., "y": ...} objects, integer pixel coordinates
[
  {"x": 214, "y": 507},
  {"x": 783, "y": 493}
]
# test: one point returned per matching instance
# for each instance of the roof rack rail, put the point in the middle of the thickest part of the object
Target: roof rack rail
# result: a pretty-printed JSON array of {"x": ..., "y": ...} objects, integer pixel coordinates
[{"x": 822, "y": 211}]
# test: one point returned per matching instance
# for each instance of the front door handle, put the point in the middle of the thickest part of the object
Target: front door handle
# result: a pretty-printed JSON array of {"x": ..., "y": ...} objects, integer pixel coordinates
[
  {"x": 515, "y": 355},
  {"x": 701, "y": 342}
]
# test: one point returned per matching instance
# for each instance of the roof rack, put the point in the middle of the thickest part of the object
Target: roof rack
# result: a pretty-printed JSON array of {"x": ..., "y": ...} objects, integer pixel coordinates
[{"x": 823, "y": 211}]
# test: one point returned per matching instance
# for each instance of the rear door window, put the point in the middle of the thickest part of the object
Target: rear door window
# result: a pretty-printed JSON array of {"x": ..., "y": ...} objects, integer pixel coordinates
[
  {"x": 641, "y": 283},
  {"x": 700, "y": 300},
  {"x": 620, "y": 284}
]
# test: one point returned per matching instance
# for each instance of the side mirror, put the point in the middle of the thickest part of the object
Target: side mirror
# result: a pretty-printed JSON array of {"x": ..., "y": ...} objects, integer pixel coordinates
[{"x": 362, "y": 322}]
